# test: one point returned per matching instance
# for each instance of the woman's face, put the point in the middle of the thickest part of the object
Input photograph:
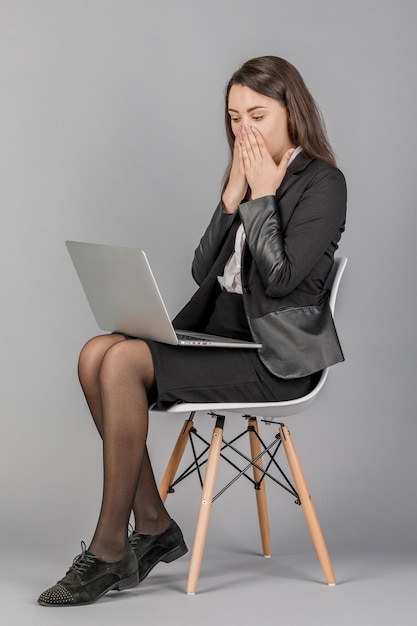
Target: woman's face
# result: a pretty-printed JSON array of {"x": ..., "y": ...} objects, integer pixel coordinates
[{"x": 269, "y": 116}]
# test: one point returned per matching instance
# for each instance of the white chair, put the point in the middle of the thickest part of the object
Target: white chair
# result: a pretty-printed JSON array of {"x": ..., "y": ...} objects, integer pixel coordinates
[{"x": 270, "y": 412}]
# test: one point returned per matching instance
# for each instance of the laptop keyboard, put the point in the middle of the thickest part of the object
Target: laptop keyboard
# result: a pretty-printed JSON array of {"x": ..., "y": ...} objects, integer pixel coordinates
[{"x": 183, "y": 337}]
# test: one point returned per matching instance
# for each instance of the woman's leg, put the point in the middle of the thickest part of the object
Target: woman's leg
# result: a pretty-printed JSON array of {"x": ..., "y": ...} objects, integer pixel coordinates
[
  {"x": 89, "y": 366},
  {"x": 117, "y": 380}
]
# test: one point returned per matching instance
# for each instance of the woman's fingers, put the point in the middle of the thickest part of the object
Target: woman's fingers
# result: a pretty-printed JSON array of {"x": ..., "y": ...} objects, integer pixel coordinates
[
  {"x": 237, "y": 185},
  {"x": 264, "y": 176},
  {"x": 257, "y": 142},
  {"x": 250, "y": 144},
  {"x": 259, "y": 169},
  {"x": 283, "y": 164},
  {"x": 249, "y": 156}
]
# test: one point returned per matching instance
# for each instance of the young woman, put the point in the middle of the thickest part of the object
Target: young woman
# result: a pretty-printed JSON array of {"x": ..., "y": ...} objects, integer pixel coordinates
[{"x": 261, "y": 267}]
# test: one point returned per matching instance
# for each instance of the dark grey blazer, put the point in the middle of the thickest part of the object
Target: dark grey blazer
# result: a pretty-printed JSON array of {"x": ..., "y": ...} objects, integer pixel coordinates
[{"x": 291, "y": 239}]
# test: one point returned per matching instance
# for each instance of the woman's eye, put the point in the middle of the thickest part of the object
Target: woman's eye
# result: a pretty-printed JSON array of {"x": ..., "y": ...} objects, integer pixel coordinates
[
  {"x": 235, "y": 120},
  {"x": 257, "y": 118}
]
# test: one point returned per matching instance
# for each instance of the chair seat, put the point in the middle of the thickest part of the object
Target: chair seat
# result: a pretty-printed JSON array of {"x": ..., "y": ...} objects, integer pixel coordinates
[{"x": 270, "y": 410}]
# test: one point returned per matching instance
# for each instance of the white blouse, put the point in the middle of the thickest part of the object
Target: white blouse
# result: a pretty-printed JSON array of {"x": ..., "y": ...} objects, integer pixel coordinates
[{"x": 231, "y": 280}]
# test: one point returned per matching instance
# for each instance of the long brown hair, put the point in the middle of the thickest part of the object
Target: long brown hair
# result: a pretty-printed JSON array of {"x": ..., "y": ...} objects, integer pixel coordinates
[{"x": 276, "y": 78}]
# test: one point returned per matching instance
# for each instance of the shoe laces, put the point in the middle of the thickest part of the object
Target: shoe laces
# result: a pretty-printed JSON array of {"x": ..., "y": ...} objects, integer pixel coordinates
[
  {"x": 133, "y": 536},
  {"x": 83, "y": 561}
]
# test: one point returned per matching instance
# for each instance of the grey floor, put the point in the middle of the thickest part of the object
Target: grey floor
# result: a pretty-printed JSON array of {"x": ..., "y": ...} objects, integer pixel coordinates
[
  {"x": 237, "y": 586},
  {"x": 370, "y": 533}
]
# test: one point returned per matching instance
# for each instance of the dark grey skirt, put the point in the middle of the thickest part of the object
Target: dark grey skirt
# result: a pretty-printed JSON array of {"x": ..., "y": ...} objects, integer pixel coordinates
[{"x": 192, "y": 374}]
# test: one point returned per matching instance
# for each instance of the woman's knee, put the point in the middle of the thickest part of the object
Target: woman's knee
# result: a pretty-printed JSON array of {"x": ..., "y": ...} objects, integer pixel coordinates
[
  {"x": 92, "y": 354},
  {"x": 127, "y": 360}
]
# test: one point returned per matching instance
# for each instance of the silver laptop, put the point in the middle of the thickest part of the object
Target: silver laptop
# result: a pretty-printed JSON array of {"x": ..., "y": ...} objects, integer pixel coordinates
[{"x": 124, "y": 297}]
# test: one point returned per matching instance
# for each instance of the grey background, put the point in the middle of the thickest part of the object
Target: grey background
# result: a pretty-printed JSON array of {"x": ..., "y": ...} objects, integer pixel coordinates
[{"x": 111, "y": 131}]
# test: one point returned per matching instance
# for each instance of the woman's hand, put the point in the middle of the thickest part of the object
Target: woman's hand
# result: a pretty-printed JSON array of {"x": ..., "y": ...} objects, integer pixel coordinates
[
  {"x": 238, "y": 185},
  {"x": 264, "y": 176}
]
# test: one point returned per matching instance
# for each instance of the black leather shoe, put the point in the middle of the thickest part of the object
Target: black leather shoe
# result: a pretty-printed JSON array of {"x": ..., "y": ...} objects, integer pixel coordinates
[
  {"x": 151, "y": 549},
  {"x": 89, "y": 578}
]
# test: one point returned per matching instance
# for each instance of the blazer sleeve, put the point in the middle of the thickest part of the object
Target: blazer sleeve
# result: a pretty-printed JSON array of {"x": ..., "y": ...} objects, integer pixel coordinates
[
  {"x": 211, "y": 243},
  {"x": 285, "y": 258}
]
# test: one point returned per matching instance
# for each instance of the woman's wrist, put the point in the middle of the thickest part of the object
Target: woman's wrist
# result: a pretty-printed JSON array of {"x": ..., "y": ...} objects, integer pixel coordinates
[
  {"x": 228, "y": 205},
  {"x": 262, "y": 193}
]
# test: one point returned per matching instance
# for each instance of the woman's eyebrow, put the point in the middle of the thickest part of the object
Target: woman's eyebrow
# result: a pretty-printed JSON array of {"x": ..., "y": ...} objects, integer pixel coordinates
[{"x": 249, "y": 110}]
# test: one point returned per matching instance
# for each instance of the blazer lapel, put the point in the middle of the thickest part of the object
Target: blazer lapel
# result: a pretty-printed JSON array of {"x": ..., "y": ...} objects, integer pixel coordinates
[{"x": 294, "y": 169}]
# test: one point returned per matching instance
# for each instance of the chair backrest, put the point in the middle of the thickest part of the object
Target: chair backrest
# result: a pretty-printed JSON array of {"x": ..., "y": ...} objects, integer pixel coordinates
[{"x": 333, "y": 281}]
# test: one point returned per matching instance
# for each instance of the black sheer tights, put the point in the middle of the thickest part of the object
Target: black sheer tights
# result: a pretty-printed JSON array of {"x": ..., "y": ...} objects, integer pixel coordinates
[{"x": 117, "y": 377}]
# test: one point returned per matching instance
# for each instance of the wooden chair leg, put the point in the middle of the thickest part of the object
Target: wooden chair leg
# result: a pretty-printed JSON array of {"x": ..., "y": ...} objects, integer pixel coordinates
[
  {"x": 205, "y": 506},
  {"x": 255, "y": 449},
  {"x": 175, "y": 459},
  {"x": 307, "y": 504}
]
